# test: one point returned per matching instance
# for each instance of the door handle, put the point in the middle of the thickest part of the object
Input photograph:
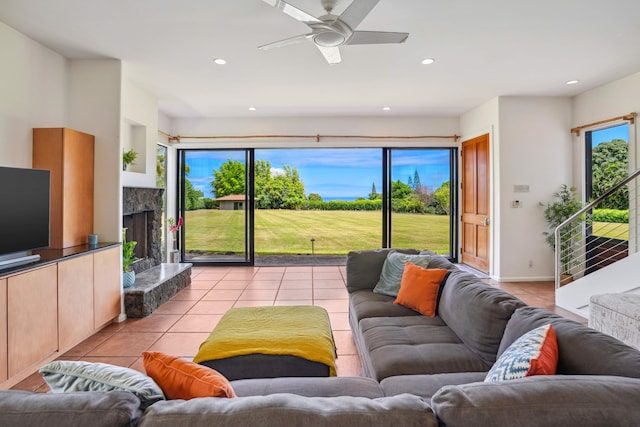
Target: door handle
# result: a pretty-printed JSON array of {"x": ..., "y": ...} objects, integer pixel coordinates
[{"x": 486, "y": 222}]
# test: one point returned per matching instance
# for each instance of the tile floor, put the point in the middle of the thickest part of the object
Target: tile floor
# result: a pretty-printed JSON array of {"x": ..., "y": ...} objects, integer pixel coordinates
[{"x": 180, "y": 325}]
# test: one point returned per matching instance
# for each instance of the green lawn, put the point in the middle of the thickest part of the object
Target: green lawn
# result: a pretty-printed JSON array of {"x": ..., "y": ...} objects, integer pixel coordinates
[
  {"x": 290, "y": 232},
  {"x": 612, "y": 230}
]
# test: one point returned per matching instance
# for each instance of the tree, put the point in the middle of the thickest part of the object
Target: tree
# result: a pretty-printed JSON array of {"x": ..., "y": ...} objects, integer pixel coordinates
[
  {"x": 374, "y": 194},
  {"x": 399, "y": 190},
  {"x": 610, "y": 166},
  {"x": 410, "y": 183},
  {"x": 193, "y": 199},
  {"x": 229, "y": 179},
  {"x": 442, "y": 197},
  {"x": 314, "y": 197},
  {"x": 416, "y": 180},
  {"x": 280, "y": 191}
]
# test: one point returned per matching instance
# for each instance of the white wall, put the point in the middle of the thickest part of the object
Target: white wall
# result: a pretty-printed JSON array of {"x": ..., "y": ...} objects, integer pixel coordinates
[
  {"x": 139, "y": 110},
  {"x": 94, "y": 108},
  {"x": 611, "y": 100},
  {"x": 34, "y": 94},
  {"x": 530, "y": 145},
  {"x": 535, "y": 150}
]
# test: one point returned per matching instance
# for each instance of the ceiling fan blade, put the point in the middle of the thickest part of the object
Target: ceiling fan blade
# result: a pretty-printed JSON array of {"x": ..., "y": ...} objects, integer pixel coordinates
[
  {"x": 293, "y": 11},
  {"x": 285, "y": 42},
  {"x": 376, "y": 37},
  {"x": 331, "y": 54},
  {"x": 357, "y": 11}
]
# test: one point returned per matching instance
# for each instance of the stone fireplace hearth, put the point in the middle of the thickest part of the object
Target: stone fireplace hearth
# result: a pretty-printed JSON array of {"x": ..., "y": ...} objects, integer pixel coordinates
[{"x": 142, "y": 215}]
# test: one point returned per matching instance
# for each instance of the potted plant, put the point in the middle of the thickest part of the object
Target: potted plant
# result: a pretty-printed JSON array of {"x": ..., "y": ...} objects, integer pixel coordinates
[
  {"x": 128, "y": 157},
  {"x": 128, "y": 258},
  {"x": 565, "y": 203}
]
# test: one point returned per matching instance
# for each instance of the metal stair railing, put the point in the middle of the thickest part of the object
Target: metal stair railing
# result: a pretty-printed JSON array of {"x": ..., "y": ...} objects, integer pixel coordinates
[{"x": 580, "y": 252}]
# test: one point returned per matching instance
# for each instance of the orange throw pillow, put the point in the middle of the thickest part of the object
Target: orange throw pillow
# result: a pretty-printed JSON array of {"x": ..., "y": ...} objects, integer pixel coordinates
[
  {"x": 419, "y": 288},
  {"x": 181, "y": 379}
]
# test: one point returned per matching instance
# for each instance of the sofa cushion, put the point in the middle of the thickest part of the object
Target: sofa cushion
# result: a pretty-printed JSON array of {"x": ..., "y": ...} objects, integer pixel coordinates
[
  {"x": 95, "y": 409},
  {"x": 567, "y": 401},
  {"x": 426, "y": 386},
  {"x": 581, "y": 350},
  {"x": 414, "y": 345},
  {"x": 64, "y": 376},
  {"x": 439, "y": 261},
  {"x": 364, "y": 304},
  {"x": 477, "y": 313},
  {"x": 393, "y": 270},
  {"x": 292, "y": 411},
  {"x": 420, "y": 288},
  {"x": 534, "y": 353},
  {"x": 309, "y": 386},
  {"x": 181, "y": 379},
  {"x": 364, "y": 267}
]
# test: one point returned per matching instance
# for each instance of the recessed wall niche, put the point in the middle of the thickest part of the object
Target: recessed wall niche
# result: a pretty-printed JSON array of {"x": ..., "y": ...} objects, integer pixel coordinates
[{"x": 135, "y": 137}]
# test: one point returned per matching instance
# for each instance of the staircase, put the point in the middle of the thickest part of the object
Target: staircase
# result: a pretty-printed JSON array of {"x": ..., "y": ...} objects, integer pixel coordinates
[{"x": 595, "y": 257}]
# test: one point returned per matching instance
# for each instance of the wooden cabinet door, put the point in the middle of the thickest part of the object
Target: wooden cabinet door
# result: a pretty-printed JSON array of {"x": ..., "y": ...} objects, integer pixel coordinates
[
  {"x": 75, "y": 300},
  {"x": 475, "y": 203},
  {"x": 3, "y": 330},
  {"x": 106, "y": 286},
  {"x": 32, "y": 317}
]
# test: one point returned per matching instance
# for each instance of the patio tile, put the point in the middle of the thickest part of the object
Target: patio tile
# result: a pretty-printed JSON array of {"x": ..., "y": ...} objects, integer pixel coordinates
[
  {"x": 189, "y": 295},
  {"x": 126, "y": 344},
  {"x": 348, "y": 366},
  {"x": 294, "y": 294},
  {"x": 330, "y": 293},
  {"x": 258, "y": 294},
  {"x": 231, "y": 284},
  {"x": 333, "y": 305},
  {"x": 211, "y": 307},
  {"x": 253, "y": 303},
  {"x": 263, "y": 284},
  {"x": 344, "y": 343},
  {"x": 328, "y": 283},
  {"x": 180, "y": 344},
  {"x": 174, "y": 307},
  {"x": 154, "y": 323},
  {"x": 196, "y": 323},
  {"x": 222, "y": 294}
]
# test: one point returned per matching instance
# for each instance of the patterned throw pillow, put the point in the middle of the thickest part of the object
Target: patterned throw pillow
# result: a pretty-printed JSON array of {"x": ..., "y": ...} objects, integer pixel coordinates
[
  {"x": 534, "y": 353},
  {"x": 420, "y": 287},
  {"x": 392, "y": 269}
]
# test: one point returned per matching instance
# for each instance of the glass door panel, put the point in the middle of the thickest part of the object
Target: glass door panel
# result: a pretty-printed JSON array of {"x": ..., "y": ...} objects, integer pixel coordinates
[
  {"x": 317, "y": 203},
  {"x": 215, "y": 205},
  {"x": 422, "y": 199}
]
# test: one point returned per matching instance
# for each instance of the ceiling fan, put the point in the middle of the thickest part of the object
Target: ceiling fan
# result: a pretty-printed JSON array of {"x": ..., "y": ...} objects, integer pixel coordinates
[{"x": 329, "y": 32}]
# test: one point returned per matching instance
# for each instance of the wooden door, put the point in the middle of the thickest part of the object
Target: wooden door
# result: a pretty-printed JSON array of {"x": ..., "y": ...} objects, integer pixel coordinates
[{"x": 476, "y": 218}]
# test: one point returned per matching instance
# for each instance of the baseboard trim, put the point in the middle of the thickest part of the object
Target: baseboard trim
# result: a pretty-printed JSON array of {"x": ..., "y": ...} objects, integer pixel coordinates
[{"x": 524, "y": 279}]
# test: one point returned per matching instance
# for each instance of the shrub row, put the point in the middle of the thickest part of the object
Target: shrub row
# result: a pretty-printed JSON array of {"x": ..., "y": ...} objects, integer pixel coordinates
[
  {"x": 611, "y": 215},
  {"x": 342, "y": 205}
]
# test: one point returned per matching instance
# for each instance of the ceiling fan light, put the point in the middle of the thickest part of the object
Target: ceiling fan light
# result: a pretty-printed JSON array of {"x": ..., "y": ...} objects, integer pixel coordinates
[{"x": 329, "y": 39}]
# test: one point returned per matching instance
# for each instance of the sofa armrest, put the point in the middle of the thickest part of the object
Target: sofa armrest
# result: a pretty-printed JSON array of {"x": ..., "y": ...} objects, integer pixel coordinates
[
  {"x": 562, "y": 400},
  {"x": 364, "y": 267}
]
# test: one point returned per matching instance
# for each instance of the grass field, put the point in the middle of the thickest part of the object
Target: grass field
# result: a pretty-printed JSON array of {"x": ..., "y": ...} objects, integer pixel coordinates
[
  {"x": 612, "y": 230},
  {"x": 290, "y": 232}
]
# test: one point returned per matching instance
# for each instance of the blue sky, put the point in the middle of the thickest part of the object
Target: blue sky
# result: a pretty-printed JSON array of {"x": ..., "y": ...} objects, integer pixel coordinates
[
  {"x": 333, "y": 173},
  {"x": 606, "y": 135}
]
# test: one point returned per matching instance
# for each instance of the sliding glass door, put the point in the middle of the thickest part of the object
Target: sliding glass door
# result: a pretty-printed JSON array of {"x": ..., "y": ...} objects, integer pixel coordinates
[
  {"x": 422, "y": 199},
  {"x": 313, "y": 206},
  {"x": 216, "y": 203}
]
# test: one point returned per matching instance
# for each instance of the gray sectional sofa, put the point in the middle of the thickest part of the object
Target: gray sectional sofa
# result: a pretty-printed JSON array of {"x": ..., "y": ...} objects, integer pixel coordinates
[{"x": 418, "y": 371}]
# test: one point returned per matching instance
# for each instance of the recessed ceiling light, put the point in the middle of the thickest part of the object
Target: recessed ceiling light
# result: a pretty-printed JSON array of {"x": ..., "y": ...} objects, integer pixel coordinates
[
  {"x": 573, "y": 82},
  {"x": 219, "y": 61},
  {"x": 428, "y": 61},
  {"x": 386, "y": 108},
  {"x": 252, "y": 108}
]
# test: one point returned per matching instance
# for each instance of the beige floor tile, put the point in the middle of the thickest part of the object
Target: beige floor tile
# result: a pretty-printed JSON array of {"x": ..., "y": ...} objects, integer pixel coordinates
[
  {"x": 333, "y": 305},
  {"x": 196, "y": 323},
  {"x": 222, "y": 294},
  {"x": 263, "y": 284},
  {"x": 189, "y": 295},
  {"x": 297, "y": 276},
  {"x": 153, "y": 323},
  {"x": 211, "y": 307},
  {"x": 294, "y": 294},
  {"x": 175, "y": 307},
  {"x": 330, "y": 293},
  {"x": 253, "y": 303},
  {"x": 296, "y": 284},
  {"x": 344, "y": 343},
  {"x": 180, "y": 344},
  {"x": 328, "y": 283},
  {"x": 126, "y": 344},
  {"x": 231, "y": 284},
  {"x": 203, "y": 284},
  {"x": 293, "y": 302},
  {"x": 124, "y": 361},
  {"x": 348, "y": 366},
  {"x": 258, "y": 295}
]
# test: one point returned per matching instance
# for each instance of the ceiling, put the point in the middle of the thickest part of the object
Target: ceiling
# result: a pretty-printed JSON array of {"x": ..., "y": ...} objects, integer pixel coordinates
[{"x": 482, "y": 49}]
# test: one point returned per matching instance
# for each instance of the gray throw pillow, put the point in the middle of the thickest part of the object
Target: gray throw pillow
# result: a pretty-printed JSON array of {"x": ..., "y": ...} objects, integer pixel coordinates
[
  {"x": 392, "y": 269},
  {"x": 64, "y": 376}
]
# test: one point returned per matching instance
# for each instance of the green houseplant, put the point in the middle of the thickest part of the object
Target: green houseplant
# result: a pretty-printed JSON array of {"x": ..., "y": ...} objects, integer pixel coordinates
[
  {"x": 565, "y": 203},
  {"x": 128, "y": 157},
  {"x": 128, "y": 258}
]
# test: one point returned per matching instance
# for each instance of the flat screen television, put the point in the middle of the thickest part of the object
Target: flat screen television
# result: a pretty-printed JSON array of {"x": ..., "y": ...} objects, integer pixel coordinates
[{"x": 24, "y": 210}]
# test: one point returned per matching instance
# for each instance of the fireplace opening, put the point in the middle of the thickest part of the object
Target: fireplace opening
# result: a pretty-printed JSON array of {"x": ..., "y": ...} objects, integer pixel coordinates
[{"x": 137, "y": 230}]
